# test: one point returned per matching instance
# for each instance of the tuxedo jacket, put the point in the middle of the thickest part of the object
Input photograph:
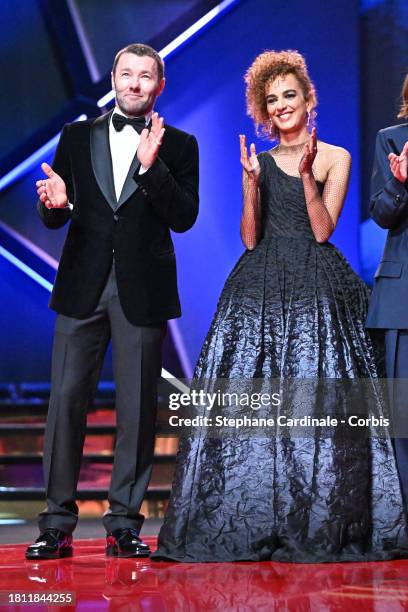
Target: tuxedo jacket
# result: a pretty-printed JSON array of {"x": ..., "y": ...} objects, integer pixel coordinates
[
  {"x": 388, "y": 307},
  {"x": 134, "y": 231}
]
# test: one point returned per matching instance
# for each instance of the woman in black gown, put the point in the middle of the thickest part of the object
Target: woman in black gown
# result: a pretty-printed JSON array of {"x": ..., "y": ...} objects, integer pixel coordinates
[{"x": 292, "y": 308}]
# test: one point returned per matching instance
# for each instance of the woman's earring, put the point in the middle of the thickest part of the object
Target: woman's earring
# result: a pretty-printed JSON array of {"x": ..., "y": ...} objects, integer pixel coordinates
[
  {"x": 270, "y": 126},
  {"x": 308, "y": 120}
]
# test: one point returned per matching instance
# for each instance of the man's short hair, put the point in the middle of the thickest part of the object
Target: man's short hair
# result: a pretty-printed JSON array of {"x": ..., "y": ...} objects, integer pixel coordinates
[{"x": 141, "y": 50}]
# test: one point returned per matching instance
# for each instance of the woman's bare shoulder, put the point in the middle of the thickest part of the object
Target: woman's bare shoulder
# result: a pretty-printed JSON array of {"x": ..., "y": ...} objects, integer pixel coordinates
[
  {"x": 333, "y": 150},
  {"x": 333, "y": 155}
]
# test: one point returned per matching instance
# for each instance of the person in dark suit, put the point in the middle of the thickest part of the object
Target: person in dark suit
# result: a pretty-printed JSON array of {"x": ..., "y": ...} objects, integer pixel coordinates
[
  {"x": 388, "y": 306},
  {"x": 123, "y": 181}
]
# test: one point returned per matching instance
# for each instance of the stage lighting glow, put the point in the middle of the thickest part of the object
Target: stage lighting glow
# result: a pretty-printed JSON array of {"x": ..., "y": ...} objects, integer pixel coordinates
[
  {"x": 174, "y": 381},
  {"x": 106, "y": 99},
  {"x": 48, "y": 286},
  {"x": 32, "y": 160},
  {"x": 181, "y": 39},
  {"x": 30, "y": 246},
  {"x": 26, "y": 269},
  {"x": 196, "y": 27}
]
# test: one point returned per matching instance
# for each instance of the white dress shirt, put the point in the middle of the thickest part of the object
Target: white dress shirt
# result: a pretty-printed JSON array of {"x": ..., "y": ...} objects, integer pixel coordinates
[{"x": 123, "y": 146}]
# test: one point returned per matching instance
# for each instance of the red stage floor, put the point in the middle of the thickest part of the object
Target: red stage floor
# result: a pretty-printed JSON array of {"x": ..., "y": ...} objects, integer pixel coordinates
[{"x": 128, "y": 584}]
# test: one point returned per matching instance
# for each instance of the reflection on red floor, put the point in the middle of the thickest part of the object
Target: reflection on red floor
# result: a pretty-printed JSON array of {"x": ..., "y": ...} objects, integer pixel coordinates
[{"x": 102, "y": 583}]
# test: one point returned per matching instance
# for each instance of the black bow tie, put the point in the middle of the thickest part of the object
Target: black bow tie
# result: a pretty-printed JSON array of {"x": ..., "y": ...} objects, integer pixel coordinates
[{"x": 119, "y": 121}]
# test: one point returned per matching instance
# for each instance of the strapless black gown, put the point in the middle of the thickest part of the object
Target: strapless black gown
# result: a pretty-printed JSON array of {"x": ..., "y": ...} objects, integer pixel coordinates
[{"x": 291, "y": 308}]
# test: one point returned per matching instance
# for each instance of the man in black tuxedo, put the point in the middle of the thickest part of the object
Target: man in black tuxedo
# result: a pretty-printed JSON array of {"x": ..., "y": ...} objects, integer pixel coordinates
[
  {"x": 123, "y": 181},
  {"x": 388, "y": 308}
]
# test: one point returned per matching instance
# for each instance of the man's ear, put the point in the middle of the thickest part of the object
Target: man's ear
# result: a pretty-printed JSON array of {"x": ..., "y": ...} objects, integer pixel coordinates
[
  {"x": 112, "y": 81},
  {"x": 161, "y": 86}
]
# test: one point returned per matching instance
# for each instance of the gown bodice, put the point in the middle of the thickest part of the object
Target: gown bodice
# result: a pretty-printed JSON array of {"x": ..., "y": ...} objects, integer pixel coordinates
[{"x": 283, "y": 205}]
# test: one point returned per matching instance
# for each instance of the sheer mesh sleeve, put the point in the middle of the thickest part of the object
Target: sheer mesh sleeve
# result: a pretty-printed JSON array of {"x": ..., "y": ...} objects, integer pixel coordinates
[
  {"x": 251, "y": 211},
  {"x": 331, "y": 167},
  {"x": 324, "y": 211}
]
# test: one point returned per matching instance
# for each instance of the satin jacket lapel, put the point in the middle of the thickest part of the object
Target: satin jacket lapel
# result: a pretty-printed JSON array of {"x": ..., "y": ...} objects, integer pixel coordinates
[
  {"x": 130, "y": 185},
  {"x": 101, "y": 158}
]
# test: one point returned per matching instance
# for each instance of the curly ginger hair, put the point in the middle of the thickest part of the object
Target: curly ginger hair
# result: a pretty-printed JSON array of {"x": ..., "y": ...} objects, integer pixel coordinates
[{"x": 264, "y": 70}]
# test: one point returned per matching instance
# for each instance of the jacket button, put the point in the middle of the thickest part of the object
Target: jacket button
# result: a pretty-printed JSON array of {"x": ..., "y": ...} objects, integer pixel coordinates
[
  {"x": 398, "y": 199},
  {"x": 116, "y": 217}
]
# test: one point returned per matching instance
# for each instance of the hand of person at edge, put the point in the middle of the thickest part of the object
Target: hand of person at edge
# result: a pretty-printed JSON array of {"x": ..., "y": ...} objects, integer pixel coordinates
[{"x": 398, "y": 164}]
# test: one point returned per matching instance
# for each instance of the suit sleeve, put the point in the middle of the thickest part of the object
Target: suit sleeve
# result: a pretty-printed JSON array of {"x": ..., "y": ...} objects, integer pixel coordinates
[
  {"x": 54, "y": 218},
  {"x": 389, "y": 197},
  {"x": 174, "y": 194}
]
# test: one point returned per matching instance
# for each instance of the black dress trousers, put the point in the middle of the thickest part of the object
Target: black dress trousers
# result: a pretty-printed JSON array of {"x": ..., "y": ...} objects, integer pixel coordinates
[{"x": 78, "y": 352}]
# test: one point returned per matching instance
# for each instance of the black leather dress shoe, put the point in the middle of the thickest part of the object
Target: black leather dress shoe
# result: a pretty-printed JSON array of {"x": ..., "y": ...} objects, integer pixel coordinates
[
  {"x": 52, "y": 544},
  {"x": 125, "y": 543}
]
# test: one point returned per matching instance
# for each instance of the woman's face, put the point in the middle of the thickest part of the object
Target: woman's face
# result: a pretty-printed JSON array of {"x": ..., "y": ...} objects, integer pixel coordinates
[{"x": 286, "y": 104}]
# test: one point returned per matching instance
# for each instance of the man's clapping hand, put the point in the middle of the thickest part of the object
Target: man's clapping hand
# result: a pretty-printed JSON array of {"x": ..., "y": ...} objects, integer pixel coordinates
[
  {"x": 150, "y": 141},
  {"x": 52, "y": 191}
]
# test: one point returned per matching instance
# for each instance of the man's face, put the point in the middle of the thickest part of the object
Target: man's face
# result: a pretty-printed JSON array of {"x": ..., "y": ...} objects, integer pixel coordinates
[{"x": 136, "y": 84}]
